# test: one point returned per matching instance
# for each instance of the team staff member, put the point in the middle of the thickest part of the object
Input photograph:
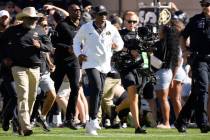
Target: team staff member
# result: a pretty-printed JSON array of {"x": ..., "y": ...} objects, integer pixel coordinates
[
  {"x": 24, "y": 43},
  {"x": 198, "y": 30},
  {"x": 99, "y": 39},
  {"x": 65, "y": 60}
]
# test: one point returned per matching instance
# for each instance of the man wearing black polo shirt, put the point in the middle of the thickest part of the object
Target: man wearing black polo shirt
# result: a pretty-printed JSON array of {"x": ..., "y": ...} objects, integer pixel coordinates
[
  {"x": 65, "y": 60},
  {"x": 198, "y": 29}
]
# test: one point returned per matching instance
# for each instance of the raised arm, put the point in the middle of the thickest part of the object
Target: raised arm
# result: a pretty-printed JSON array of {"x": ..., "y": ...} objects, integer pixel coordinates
[{"x": 52, "y": 7}]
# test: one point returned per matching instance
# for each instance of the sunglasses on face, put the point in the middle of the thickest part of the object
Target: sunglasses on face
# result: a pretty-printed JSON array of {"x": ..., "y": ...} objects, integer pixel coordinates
[
  {"x": 76, "y": 10},
  {"x": 3, "y": 18},
  {"x": 205, "y": 4},
  {"x": 30, "y": 19},
  {"x": 44, "y": 25},
  {"x": 132, "y": 21}
]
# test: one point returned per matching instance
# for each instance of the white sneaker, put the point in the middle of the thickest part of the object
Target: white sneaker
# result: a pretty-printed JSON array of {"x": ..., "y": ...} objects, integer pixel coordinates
[
  {"x": 124, "y": 125},
  {"x": 90, "y": 129},
  {"x": 95, "y": 124}
]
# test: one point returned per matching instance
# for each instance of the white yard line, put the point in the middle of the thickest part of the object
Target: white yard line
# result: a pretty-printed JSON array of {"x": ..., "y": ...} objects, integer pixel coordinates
[{"x": 82, "y": 135}]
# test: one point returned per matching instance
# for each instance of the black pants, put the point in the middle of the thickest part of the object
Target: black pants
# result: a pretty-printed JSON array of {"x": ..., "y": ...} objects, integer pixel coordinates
[
  {"x": 9, "y": 101},
  {"x": 96, "y": 85},
  {"x": 201, "y": 80},
  {"x": 123, "y": 113},
  {"x": 37, "y": 104},
  {"x": 72, "y": 70}
]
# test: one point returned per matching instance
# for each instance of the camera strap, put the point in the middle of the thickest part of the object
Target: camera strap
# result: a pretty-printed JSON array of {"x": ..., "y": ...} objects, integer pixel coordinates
[{"x": 164, "y": 54}]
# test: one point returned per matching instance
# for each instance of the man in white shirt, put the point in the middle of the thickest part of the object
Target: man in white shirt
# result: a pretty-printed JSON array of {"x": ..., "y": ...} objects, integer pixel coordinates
[{"x": 98, "y": 39}]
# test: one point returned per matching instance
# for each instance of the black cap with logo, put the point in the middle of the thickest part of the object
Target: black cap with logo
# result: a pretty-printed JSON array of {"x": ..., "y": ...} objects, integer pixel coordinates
[{"x": 100, "y": 10}]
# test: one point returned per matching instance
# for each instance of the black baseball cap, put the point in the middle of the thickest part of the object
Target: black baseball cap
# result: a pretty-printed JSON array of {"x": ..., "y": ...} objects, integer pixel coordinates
[
  {"x": 86, "y": 3},
  {"x": 100, "y": 10},
  {"x": 205, "y": 1}
]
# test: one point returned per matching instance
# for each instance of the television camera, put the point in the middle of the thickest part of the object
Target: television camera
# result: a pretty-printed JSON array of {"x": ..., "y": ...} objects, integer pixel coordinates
[{"x": 146, "y": 37}]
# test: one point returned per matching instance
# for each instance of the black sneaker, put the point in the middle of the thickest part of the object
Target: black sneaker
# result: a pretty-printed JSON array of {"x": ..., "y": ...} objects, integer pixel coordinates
[
  {"x": 15, "y": 125},
  {"x": 43, "y": 123},
  {"x": 81, "y": 125},
  {"x": 140, "y": 130},
  {"x": 116, "y": 125},
  {"x": 27, "y": 132},
  {"x": 205, "y": 129},
  {"x": 71, "y": 124},
  {"x": 5, "y": 124},
  {"x": 180, "y": 127}
]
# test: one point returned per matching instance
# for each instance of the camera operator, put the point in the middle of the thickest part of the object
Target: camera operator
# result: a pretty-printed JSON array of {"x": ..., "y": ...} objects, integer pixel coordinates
[{"x": 130, "y": 78}]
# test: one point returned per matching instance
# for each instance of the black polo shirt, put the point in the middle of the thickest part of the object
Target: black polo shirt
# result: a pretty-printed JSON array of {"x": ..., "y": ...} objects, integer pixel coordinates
[
  {"x": 17, "y": 44},
  {"x": 63, "y": 42},
  {"x": 199, "y": 32}
]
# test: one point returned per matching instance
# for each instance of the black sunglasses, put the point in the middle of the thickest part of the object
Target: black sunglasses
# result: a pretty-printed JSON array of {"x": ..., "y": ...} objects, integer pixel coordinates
[
  {"x": 44, "y": 25},
  {"x": 132, "y": 21},
  {"x": 205, "y": 4},
  {"x": 76, "y": 10}
]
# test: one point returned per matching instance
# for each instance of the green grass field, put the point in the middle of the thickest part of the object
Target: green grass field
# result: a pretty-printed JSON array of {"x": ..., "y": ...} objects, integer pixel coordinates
[{"x": 108, "y": 134}]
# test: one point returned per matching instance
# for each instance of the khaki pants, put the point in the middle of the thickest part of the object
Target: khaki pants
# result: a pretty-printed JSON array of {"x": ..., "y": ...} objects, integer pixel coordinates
[
  {"x": 112, "y": 88},
  {"x": 26, "y": 81}
]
